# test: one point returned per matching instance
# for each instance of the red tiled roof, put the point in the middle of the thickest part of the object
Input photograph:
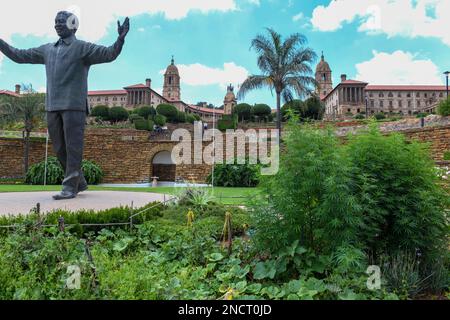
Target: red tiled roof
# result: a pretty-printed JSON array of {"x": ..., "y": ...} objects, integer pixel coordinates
[
  {"x": 206, "y": 110},
  {"x": 9, "y": 93},
  {"x": 406, "y": 87},
  {"x": 139, "y": 85},
  {"x": 106, "y": 92}
]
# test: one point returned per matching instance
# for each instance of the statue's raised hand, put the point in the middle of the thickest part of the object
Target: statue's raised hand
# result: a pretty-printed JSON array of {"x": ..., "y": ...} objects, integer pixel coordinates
[{"x": 123, "y": 29}]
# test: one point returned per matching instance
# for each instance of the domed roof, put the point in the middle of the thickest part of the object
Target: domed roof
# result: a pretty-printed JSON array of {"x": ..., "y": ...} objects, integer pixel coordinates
[
  {"x": 323, "y": 66},
  {"x": 172, "y": 68}
]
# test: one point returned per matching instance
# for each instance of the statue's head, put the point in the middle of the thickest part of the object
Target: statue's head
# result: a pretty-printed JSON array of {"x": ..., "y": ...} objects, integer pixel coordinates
[{"x": 66, "y": 24}]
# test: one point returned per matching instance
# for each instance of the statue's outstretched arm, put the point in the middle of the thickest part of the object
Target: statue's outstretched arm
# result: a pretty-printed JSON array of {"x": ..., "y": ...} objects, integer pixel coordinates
[
  {"x": 33, "y": 56},
  {"x": 95, "y": 54}
]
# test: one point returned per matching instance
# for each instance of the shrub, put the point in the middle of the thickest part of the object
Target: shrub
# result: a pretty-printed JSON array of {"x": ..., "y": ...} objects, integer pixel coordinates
[
  {"x": 141, "y": 124},
  {"x": 227, "y": 122},
  {"x": 359, "y": 116},
  {"x": 380, "y": 116},
  {"x": 313, "y": 109},
  {"x": 190, "y": 118},
  {"x": 146, "y": 112},
  {"x": 243, "y": 111},
  {"x": 421, "y": 115},
  {"x": 403, "y": 207},
  {"x": 36, "y": 172},
  {"x": 133, "y": 117},
  {"x": 169, "y": 111},
  {"x": 181, "y": 117},
  {"x": 92, "y": 172},
  {"x": 235, "y": 175},
  {"x": 151, "y": 124},
  {"x": 447, "y": 155},
  {"x": 117, "y": 114},
  {"x": 262, "y": 111},
  {"x": 197, "y": 117},
  {"x": 101, "y": 112},
  {"x": 55, "y": 173},
  {"x": 160, "y": 120},
  {"x": 310, "y": 198},
  {"x": 444, "y": 108},
  {"x": 296, "y": 106}
]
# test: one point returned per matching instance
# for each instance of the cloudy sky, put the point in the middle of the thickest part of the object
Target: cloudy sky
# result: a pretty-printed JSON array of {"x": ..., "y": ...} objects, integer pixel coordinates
[{"x": 378, "y": 41}]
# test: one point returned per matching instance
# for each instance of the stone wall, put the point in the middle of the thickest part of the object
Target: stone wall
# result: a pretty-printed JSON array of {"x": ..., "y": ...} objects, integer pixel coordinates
[{"x": 126, "y": 155}]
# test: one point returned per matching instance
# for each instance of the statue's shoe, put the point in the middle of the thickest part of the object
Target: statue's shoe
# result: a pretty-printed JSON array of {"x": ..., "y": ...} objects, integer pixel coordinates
[
  {"x": 64, "y": 195},
  {"x": 82, "y": 188}
]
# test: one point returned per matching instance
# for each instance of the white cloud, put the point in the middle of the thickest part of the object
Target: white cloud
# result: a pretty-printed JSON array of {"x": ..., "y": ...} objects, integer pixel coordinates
[
  {"x": 200, "y": 75},
  {"x": 298, "y": 17},
  {"x": 141, "y": 29},
  {"x": 96, "y": 16},
  {"x": 398, "y": 67},
  {"x": 409, "y": 18}
]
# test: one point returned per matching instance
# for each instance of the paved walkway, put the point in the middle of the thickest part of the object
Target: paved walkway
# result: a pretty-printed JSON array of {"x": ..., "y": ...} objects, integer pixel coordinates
[{"x": 22, "y": 202}]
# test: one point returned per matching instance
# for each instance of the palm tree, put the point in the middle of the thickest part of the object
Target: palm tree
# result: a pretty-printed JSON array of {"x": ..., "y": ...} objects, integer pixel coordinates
[
  {"x": 285, "y": 66},
  {"x": 29, "y": 109}
]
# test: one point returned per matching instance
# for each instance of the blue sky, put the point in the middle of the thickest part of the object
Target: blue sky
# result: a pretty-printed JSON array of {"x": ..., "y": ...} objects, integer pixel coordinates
[{"x": 365, "y": 39}]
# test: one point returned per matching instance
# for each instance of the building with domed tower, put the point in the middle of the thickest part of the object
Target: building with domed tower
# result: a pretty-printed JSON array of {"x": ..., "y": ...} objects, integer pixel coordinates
[
  {"x": 140, "y": 94},
  {"x": 323, "y": 78},
  {"x": 351, "y": 97},
  {"x": 230, "y": 100}
]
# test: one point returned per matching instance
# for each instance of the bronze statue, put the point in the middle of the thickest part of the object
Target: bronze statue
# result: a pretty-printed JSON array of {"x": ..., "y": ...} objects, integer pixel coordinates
[{"x": 67, "y": 64}]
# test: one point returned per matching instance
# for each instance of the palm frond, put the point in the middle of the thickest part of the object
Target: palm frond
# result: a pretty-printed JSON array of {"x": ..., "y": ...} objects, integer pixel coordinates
[{"x": 252, "y": 83}]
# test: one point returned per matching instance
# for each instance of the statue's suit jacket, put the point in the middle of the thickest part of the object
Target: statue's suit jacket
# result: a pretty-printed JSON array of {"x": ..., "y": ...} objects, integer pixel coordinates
[{"x": 67, "y": 64}]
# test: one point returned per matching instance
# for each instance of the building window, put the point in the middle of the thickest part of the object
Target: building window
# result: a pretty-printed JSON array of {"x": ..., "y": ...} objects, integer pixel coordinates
[
  {"x": 390, "y": 95},
  {"x": 115, "y": 99},
  {"x": 418, "y": 95},
  {"x": 390, "y": 104},
  {"x": 441, "y": 95},
  {"x": 408, "y": 95},
  {"x": 399, "y": 95},
  {"x": 324, "y": 77},
  {"x": 426, "y": 95},
  {"x": 99, "y": 99},
  {"x": 409, "y": 103},
  {"x": 400, "y": 103},
  {"x": 371, "y": 95},
  {"x": 380, "y": 95},
  {"x": 106, "y": 99},
  {"x": 381, "y": 103},
  {"x": 170, "y": 80},
  {"x": 372, "y": 103},
  {"x": 418, "y": 103}
]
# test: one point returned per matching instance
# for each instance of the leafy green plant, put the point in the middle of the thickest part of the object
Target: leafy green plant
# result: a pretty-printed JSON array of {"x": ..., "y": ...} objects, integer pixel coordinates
[
  {"x": 55, "y": 173},
  {"x": 235, "y": 175},
  {"x": 160, "y": 120},
  {"x": 380, "y": 116},
  {"x": 444, "y": 108},
  {"x": 146, "y": 112},
  {"x": 92, "y": 172},
  {"x": 36, "y": 173}
]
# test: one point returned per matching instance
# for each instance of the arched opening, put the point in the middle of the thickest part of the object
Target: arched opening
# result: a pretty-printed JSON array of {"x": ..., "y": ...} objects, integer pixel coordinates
[{"x": 163, "y": 167}]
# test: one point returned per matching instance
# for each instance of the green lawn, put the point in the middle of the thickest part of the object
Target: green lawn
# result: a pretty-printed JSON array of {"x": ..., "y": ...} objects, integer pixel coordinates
[{"x": 235, "y": 196}]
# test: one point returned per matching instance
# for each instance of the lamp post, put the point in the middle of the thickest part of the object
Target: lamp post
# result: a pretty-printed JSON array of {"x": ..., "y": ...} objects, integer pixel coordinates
[{"x": 446, "y": 76}]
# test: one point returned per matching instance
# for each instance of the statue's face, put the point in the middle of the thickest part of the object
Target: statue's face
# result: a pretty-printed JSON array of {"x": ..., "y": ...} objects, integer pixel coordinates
[{"x": 61, "y": 26}]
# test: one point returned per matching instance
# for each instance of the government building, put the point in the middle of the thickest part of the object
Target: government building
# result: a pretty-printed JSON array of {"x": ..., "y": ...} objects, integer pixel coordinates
[
  {"x": 142, "y": 94},
  {"x": 351, "y": 97}
]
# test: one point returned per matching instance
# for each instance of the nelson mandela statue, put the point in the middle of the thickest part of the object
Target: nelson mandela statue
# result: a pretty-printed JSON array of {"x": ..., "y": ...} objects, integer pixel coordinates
[{"x": 67, "y": 63}]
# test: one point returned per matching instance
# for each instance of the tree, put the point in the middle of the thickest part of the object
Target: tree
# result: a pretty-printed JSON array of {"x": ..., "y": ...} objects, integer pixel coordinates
[
  {"x": 295, "y": 105},
  {"x": 285, "y": 67},
  {"x": 117, "y": 114},
  {"x": 243, "y": 111},
  {"x": 169, "y": 111},
  {"x": 100, "y": 111},
  {"x": 262, "y": 111},
  {"x": 146, "y": 111},
  {"x": 313, "y": 109},
  {"x": 29, "y": 108},
  {"x": 444, "y": 108}
]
